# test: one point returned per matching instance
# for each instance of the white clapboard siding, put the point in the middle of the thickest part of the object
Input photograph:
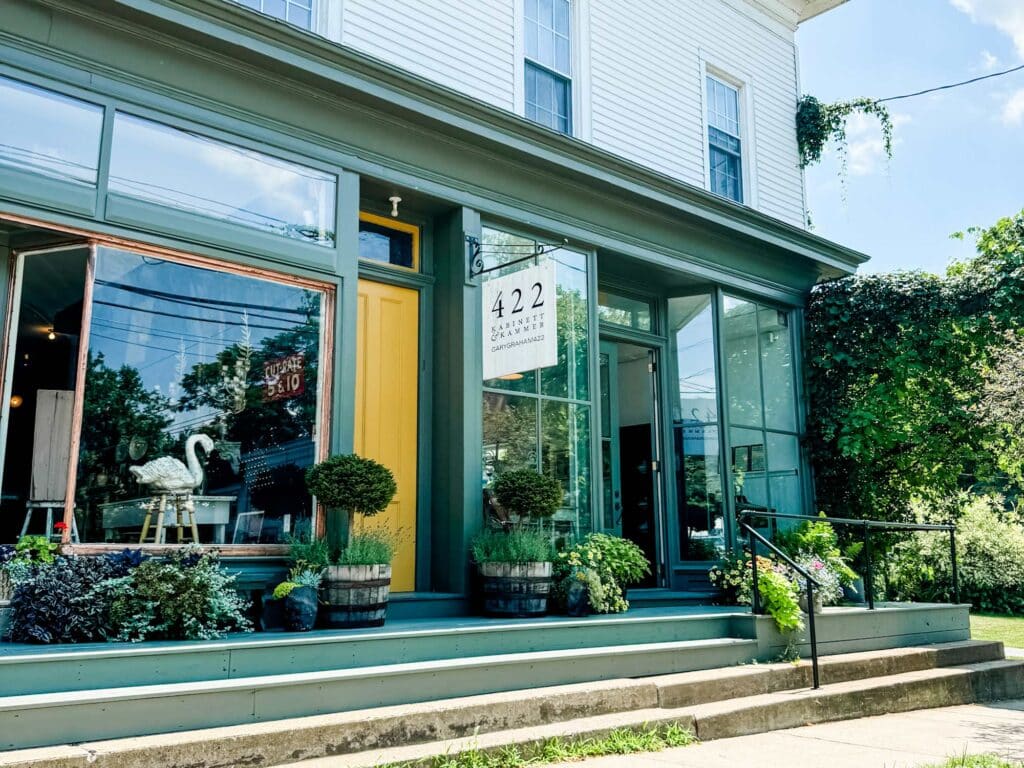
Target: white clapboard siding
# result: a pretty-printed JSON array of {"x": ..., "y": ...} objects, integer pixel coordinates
[
  {"x": 466, "y": 45},
  {"x": 643, "y": 74}
]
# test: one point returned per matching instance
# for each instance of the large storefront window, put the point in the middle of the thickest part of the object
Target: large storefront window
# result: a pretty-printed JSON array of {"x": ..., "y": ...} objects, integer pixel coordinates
[
  {"x": 201, "y": 378},
  {"x": 541, "y": 419},
  {"x": 694, "y": 409},
  {"x": 764, "y": 429}
]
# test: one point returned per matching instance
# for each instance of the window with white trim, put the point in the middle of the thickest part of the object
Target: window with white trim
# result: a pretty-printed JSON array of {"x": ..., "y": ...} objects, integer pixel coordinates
[
  {"x": 297, "y": 12},
  {"x": 547, "y": 70},
  {"x": 725, "y": 144}
]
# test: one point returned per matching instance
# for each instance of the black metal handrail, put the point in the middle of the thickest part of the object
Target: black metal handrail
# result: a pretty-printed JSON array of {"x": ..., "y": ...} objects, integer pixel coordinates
[
  {"x": 866, "y": 527},
  {"x": 756, "y": 538}
]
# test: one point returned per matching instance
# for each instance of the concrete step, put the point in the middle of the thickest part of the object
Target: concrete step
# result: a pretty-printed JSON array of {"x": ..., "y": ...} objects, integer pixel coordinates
[
  {"x": 561, "y": 710},
  {"x": 71, "y": 716},
  {"x": 32, "y": 670}
]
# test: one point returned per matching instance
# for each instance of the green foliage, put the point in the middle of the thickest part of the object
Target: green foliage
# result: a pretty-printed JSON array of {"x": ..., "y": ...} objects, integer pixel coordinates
[
  {"x": 358, "y": 485},
  {"x": 623, "y": 559},
  {"x": 353, "y": 483},
  {"x": 528, "y": 494},
  {"x": 621, "y": 741},
  {"x": 188, "y": 596},
  {"x": 817, "y": 540},
  {"x": 518, "y": 545},
  {"x": 779, "y": 598},
  {"x": 990, "y": 559},
  {"x": 606, "y": 564},
  {"x": 896, "y": 369},
  {"x": 819, "y": 124},
  {"x": 308, "y": 554},
  {"x": 284, "y": 589},
  {"x": 368, "y": 547},
  {"x": 829, "y": 585},
  {"x": 36, "y": 549},
  {"x": 306, "y": 578},
  {"x": 977, "y": 761}
]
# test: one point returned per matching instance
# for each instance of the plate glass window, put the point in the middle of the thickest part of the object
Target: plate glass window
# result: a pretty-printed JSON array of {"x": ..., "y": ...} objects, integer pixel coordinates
[
  {"x": 548, "y": 69},
  {"x": 724, "y": 143},
  {"x": 297, "y": 12},
  {"x": 180, "y": 169},
  {"x": 49, "y": 134}
]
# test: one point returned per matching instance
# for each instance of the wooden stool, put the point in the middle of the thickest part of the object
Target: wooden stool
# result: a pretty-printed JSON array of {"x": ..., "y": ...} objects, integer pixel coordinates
[{"x": 183, "y": 504}]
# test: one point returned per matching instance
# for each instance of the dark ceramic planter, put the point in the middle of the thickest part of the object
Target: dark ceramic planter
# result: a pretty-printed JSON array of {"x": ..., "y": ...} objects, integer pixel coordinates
[
  {"x": 300, "y": 609},
  {"x": 577, "y": 601}
]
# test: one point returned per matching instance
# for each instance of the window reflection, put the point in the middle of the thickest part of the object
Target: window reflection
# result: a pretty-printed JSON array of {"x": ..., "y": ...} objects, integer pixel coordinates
[
  {"x": 49, "y": 134},
  {"x": 183, "y": 170},
  {"x": 623, "y": 310},
  {"x": 226, "y": 356},
  {"x": 695, "y": 428}
]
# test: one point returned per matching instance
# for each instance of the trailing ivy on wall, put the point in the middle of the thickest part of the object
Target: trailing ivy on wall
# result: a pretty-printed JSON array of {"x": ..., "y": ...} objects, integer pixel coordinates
[{"x": 819, "y": 124}]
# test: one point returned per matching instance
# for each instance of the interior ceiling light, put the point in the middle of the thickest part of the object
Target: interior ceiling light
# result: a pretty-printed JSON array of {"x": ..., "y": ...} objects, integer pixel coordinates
[
  {"x": 394, "y": 200},
  {"x": 510, "y": 377},
  {"x": 51, "y": 335},
  {"x": 16, "y": 401}
]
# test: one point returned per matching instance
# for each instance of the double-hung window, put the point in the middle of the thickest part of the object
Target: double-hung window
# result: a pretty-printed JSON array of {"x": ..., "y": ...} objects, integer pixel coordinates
[
  {"x": 548, "y": 69},
  {"x": 725, "y": 156},
  {"x": 297, "y": 12}
]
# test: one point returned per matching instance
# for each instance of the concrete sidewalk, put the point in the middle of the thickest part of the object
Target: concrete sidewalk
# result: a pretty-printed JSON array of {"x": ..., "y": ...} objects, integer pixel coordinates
[{"x": 904, "y": 740}]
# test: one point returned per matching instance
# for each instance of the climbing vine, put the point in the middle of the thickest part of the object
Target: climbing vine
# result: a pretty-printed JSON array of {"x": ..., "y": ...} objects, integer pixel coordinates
[{"x": 819, "y": 124}]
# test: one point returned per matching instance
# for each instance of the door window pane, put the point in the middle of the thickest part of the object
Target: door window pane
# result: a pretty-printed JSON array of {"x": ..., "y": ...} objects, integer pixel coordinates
[
  {"x": 565, "y": 455},
  {"x": 49, "y": 134},
  {"x": 183, "y": 170},
  {"x": 784, "y": 473},
  {"x": 176, "y": 352},
  {"x": 694, "y": 409},
  {"x": 779, "y": 369},
  {"x": 749, "y": 469},
  {"x": 571, "y": 376},
  {"x": 387, "y": 245},
  {"x": 742, "y": 366}
]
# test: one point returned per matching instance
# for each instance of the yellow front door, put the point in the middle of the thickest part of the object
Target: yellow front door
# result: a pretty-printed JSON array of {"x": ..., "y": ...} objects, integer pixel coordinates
[{"x": 387, "y": 387}]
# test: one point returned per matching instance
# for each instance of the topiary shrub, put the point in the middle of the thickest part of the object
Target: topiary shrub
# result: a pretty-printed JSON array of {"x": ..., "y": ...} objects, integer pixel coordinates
[
  {"x": 352, "y": 483},
  {"x": 527, "y": 494}
]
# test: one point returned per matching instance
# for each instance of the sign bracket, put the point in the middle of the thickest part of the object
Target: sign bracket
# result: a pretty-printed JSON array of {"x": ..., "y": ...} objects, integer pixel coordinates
[{"x": 476, "y": 252}]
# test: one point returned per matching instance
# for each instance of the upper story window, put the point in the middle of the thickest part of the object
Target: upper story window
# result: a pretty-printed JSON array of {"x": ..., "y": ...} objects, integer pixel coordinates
[
  {"x": 297, "y": 12},
  {"x": 725, "y": 156},
  {"x": 548, "y": 69}
]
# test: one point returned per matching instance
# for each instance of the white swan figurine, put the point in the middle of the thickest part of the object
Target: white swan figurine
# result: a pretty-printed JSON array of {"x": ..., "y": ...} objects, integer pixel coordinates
[{"x": 168, "y": 475}]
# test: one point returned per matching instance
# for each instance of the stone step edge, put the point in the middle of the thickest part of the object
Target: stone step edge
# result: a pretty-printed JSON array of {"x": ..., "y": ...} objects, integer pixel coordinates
[
  {"x": 923, "y": 689},
  {"x": 288, "y": 740},
  {"x": 344, "y": 637},
  {"x": 705, "y": 686},
  {"x": 102, "y": 695}
]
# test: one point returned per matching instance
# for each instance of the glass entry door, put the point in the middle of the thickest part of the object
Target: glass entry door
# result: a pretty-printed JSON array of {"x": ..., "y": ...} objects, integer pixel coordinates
[{"x": 630, "y": 449}]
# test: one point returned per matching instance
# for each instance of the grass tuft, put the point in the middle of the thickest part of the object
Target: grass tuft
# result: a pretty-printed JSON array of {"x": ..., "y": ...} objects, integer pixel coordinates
[
  {"x": 622, "y": 741},
  {"x": 977, "y": 761}
]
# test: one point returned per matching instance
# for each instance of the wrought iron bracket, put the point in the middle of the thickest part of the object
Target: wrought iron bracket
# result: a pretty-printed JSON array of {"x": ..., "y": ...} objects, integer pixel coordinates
[{"x": 476, "y": 251}]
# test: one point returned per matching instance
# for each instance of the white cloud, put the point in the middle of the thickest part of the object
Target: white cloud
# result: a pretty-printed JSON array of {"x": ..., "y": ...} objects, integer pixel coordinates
[
  {"x": 1005, "y": 15},
  {"x": 988, "y": 61},
  {"x": 1013, "y": 109},
  {"x": 865, "y": 151}
]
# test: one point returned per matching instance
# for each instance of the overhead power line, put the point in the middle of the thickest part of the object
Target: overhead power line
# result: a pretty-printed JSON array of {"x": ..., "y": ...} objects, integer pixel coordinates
[{"x": 951, "y": 85}]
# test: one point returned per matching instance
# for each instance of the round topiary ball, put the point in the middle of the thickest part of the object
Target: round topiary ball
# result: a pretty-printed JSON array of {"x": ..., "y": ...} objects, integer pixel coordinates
[
  {"x": 353, "y": 483},
  {"x": 527, "y": 493}
]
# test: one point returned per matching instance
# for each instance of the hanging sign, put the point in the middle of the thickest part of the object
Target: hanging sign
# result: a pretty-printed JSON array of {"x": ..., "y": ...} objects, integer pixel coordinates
[
  {"x": 520, "y": 322},
  {"x": 284, "y": 377}
]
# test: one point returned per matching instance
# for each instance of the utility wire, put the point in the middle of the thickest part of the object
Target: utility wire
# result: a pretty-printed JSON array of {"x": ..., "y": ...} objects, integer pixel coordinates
[{"x": 951, "y": 85}]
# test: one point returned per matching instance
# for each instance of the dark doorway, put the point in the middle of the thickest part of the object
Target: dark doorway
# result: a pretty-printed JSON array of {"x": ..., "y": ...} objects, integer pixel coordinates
[{"x": 629, "y": 448}]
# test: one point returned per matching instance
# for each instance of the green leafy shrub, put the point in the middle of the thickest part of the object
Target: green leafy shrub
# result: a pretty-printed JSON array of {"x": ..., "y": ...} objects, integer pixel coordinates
[
  {"x": 606, "y": 564},
  {"x": 829, "y": 588},
  {"x": 188, "y": 596},
  {"x": 776, "y": 586},
  {"x": 528, "y": 494},
  {"x": 990, "y": 560},
  {"x": 518, "y": 545},
  {"x": 308, "y": 554},
  {"x": 817, "y": 540},
  {"x": 282, "y": 590},
  {"x": 36, "y": 549},
  {"x": 355, "y": 484},
  {"x": 368, "y": 547},
  {"x": 779, "y": 598}
]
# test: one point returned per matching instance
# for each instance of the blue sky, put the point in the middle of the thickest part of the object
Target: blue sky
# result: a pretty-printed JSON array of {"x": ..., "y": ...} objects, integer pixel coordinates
[{"x": 959, "y": 154}]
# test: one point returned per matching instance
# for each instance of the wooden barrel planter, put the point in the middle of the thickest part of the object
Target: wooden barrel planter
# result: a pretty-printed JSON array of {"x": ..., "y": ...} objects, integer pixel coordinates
[
  {"x": 516, "y": 590},
  {"x": 355, "y": 595}
]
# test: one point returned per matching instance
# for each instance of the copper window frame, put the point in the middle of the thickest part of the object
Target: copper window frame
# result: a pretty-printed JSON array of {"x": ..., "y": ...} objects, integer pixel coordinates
[{"x": 94, "y": 240}]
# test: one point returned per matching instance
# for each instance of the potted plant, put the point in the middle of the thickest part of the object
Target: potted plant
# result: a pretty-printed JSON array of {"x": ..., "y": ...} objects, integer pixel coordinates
[
  {"x": 357, "y": 582},
  {"x": 300, "y": 595},
  {"x": 593, "y": 574},
  {"x": 515, "y": 563}
]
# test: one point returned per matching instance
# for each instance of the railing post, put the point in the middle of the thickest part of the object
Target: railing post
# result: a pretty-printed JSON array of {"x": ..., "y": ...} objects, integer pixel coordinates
[
  {"x": 810, "y": 629},
  {"x": 869, "y": 580},
  {"x": 952, "y": 558},
  {"x": 755, "y": 593}
]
